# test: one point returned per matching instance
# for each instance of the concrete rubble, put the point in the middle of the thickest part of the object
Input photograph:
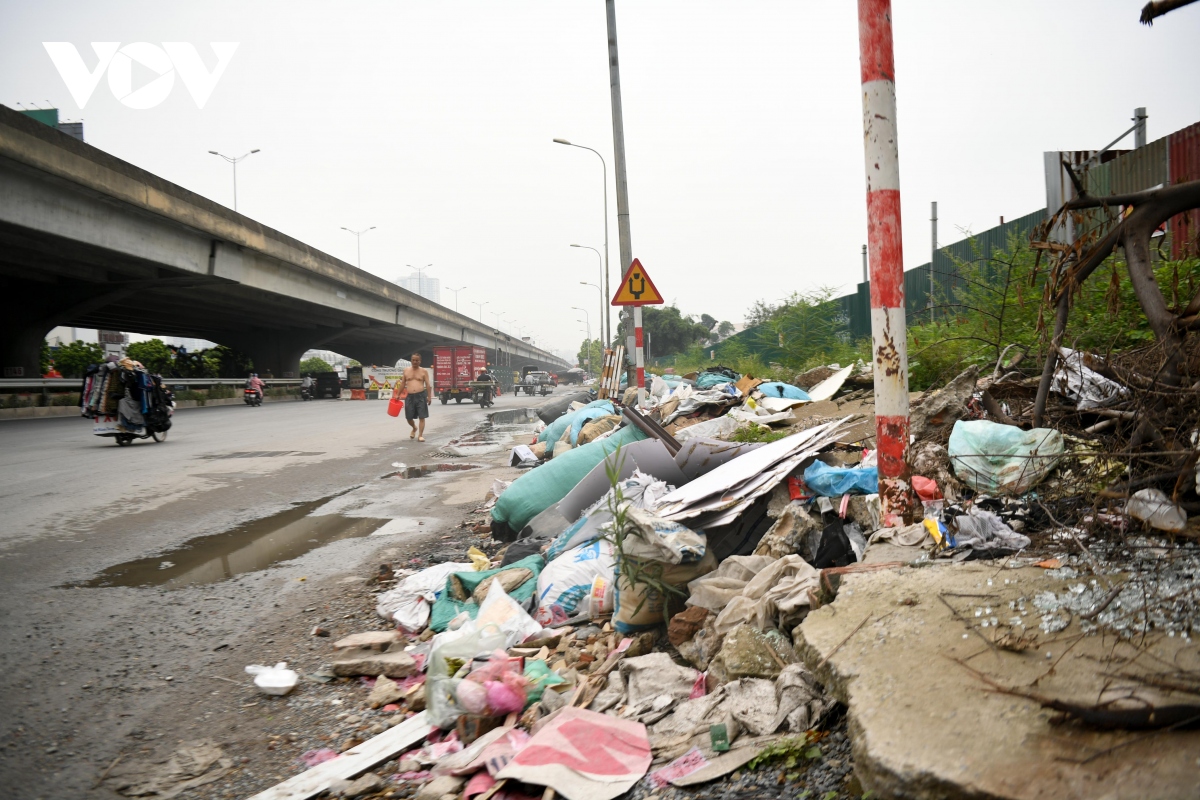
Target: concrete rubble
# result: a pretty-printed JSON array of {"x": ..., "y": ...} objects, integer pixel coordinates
[{"x": 658, "y": 610}]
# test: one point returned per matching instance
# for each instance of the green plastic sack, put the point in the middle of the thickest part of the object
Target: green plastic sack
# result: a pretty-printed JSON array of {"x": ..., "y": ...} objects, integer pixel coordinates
[
  {"x": 447, "y": 608},
  {"x": 1002, "y": 459},
  {"x": 540, "y": 676},
  {"x": 538, "y": 489},
  {"x": 556, "y": 429}
]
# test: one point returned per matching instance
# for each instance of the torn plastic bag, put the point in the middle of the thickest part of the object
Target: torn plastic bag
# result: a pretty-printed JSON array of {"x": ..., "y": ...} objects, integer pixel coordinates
[
  {"x": 983, "y": 531},
  {"x": 1088, "y": 388},
  {"x": 639, "y": 489},
  {"x": 1002, "y": 459},
  {"x": 836, "y": 481},
  {"x": 709, "y": 429},
  {"x": 773, "y": 598},
  {"x": 408, "y": 604},
  {"x": 715, "y": 590}
]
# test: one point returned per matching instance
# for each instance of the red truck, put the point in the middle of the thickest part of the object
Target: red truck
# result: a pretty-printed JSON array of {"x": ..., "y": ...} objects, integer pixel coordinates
[{"x": 455, "y": 368}]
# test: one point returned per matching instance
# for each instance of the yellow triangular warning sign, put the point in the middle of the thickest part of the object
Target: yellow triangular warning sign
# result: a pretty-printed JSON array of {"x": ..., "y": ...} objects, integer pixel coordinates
[{"x": 637, "y": 289}]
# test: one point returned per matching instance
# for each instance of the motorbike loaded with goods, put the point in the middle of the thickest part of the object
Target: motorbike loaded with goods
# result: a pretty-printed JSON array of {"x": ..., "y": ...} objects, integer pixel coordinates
[{"x": 126, "y": 402}]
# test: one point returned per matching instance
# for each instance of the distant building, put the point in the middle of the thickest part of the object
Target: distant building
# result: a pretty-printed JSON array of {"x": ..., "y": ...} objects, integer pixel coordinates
[
  {"x": 427, "y": 287},
  {"x": 49, "y": 116}
]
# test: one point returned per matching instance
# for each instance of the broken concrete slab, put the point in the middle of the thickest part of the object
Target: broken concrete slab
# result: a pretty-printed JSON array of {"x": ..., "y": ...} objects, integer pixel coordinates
[
  {"x": 373, "y": 640},
  {"x": 750, "y": 653},
  {"x": 922, "y": 726},
  {"x": 367, "y": 661}
]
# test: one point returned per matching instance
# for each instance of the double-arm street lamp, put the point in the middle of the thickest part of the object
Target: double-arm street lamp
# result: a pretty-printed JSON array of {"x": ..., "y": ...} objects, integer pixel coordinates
[
  {"x": 358, "y": 240},
  {"x": 456, "y": 291},
  {"x": 234, "y": 162}
]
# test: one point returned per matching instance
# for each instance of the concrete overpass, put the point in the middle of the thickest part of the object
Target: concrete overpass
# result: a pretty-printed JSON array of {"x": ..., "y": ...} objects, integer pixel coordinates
[{"x": 91, "y": 241}]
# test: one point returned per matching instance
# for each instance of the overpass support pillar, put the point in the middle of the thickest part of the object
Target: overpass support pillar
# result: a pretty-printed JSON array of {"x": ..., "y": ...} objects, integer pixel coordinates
[
  {"x": 275, "y": 352},
  {"x": 21, "y": 349}
]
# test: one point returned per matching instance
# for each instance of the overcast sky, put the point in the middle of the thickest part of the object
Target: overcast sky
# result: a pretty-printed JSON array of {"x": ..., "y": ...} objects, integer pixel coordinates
[{"x": 433, "y": 121}]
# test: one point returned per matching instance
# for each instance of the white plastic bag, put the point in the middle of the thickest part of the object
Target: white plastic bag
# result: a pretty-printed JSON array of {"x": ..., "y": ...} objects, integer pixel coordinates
[
  {"x": 1153, "y": 506},
  {"x": 408, "y": 604},
  {"x": 569, "y": 580},
  {"x": 276, "y": 680}
]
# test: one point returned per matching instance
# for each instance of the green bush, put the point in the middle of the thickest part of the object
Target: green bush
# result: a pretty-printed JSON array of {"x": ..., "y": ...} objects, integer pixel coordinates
[
  {"x": 66, "y": 399},
  {"x": 222, "y": 391},
  {"x": 18, "y": 401},
  {"x": 996, "y": 303}
]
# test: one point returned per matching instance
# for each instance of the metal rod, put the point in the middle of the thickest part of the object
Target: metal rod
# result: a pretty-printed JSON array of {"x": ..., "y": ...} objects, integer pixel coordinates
[
  {"x": 932, "y": 255},
  {"x": 618, "y": 122},
  {"x": 888, "y": 326}
]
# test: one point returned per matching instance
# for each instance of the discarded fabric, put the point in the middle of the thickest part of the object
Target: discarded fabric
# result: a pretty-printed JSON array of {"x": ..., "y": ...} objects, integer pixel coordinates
[{"x": 1002, "y": 459}]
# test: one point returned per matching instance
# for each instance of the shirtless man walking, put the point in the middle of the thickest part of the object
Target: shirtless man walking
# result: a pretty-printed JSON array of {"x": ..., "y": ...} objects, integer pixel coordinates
[{"x": 420, "y": 394}]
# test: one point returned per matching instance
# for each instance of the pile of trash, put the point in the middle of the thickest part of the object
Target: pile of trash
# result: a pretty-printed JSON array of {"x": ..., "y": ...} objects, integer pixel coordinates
[{"x": 635, "y": 615}]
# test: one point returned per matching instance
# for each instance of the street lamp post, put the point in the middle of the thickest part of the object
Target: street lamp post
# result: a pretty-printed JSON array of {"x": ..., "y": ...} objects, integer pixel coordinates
[
  {"x": 587, "y": 320},
  {"x": 234, "y": 161},
  {"x": 604, "y": 167},
  {"x": 358, "y": 240},
  {"x": 421, "y": 277},
  {"x": 600, "y": 322},
  {"x": 481, "y": 305},
  {"x": 456, "y": 291}
]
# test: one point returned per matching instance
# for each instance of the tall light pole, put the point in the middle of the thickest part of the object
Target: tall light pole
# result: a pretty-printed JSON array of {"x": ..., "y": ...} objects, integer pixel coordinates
[
  {"x": 456, "y": 291},
  {"x": 420, "y": 277},
  {"x": 358, "y": 239},
  {"x": 600, "y": 324},
  {"x": 234, "y": 161},
  {"x": 586, "y": 320},
  {"x": 481, "y": 305},
  {"x": 604, "y": 168},
  {"x": 497, "y": 315},
  {"x": 607, "y": 334}
]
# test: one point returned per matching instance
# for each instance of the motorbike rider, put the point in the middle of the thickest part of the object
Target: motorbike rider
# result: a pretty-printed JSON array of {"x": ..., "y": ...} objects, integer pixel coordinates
[
  {"x": 485, "y": 376},
  {"x": 255, "y": 384},
  {"x": 306, "y": 385}
]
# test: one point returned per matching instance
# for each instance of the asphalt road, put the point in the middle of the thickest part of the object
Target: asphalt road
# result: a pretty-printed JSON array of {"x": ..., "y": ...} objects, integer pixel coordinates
[{"x": 84, "y": 671}]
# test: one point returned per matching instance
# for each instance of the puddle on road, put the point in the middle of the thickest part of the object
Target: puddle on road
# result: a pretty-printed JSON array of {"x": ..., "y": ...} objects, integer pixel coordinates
[
  {"x": 501, "y": 429},
  {"x": 425, "y": 470},
  {"x": 247, "y": 548}
]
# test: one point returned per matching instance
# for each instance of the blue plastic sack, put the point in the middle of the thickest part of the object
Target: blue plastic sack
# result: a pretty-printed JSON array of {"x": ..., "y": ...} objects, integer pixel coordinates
[
  {"x": 555, "y": 430},
  {"x": 836, "y": 481},
  {"x": 784, "y": 390},
  {"x": 583, "y": 417},
  {"x": 707, "y": 380}
]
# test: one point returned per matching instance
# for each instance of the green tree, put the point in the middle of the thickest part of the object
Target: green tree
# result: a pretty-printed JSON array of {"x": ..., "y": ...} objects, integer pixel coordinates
[
  {"x": 592, "y": 349},
  {"x": 44, "y": 358},
  {"x": 725, "y": 330},
  {"x": 810, "y": 329},
  {"x": 225, "y": 362},
  {"x": 708, "y": 321},
  {"x": 314, "y": 365},
  {"x": 72, "y": 359},
  {"x": 669, "y": 331},
  {"x": 154, "y": 355}
]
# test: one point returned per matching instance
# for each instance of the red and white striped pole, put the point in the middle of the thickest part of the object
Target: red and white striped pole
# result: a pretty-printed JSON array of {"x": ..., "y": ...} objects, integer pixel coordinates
[
  {"x": 889, "y": 335},
  {"x": 639, "y": 356}
]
